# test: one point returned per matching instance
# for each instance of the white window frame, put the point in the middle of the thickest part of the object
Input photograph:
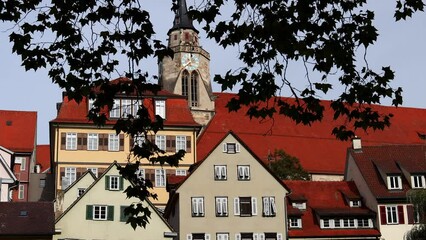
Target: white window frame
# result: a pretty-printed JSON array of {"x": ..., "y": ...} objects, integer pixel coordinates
[
  {"x": 418, "y": 181},
  {"x": 126, "y": 107},
  {"x": 21, "y": 191},
  {"x": 326, "y": 223},
  {"x": 92, "y": 141},
  {"x": 299, "y": 205},
  {"x": 23, "y": 164},
  {"x": 80, "y": 191},
  {"x": 140, "y": 173},
  {"x": 221, "y": 207},
  {"x": 269, "y": 207},
  {"x": 222, "y": 236},
  {"x": 115, "y": 111},
  {"x": 231, "y": 150},
  {"x": 71, "y": 141},
  {"x": 180, "y": 143},
  {"x": 101, "y": 211},
  {"x": 114, "y": 183},
  {"x": 93, "y": 170},
  {"x": 243, "y": 172},
  {"x": 294, "y": 222},
  {"x": 160, "y": 108},
  {"x": 71, "y": 174},
  {"x": 160, "y": 177},
  {"x": 197, "y": 206},
  {"x": 138, "y": 140},
  {"x": 355, "y": 203},
  {"x": 364, "y": 223},
  {"x": 220, "y": 172},
  {"x": 394, "y": 182},
  {"x": 237, "y": 207},
  {"x": 160, "y": 141},
  {"x": 392, "y": 215},
  {"x": 180, "y": 172},
  {"x": 113, "y": 142}
]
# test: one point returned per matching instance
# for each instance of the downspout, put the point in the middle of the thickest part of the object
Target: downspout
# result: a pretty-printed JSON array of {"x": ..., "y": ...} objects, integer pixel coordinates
[{"x": 15, "y": 184}]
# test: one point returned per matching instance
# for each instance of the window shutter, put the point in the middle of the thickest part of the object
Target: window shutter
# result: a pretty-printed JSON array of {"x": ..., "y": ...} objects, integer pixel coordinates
[
  {"x": 237, "y": 147},
  {"x": 279, "y": 236},
  {"x": 217, "y": 172},
  {"x": 401, "y": 219},
  {"x": 225, "y": 148},
  {"x": 273, "y": 208},
  {"x": 410, "y": 214},
  {"x": 255, "y": 236},
  {"x": 207, "y": 236},
  {"x": 106, "y": 182},
  {"x": 261, "y": 236},
  {"x": 225, "y": 206},
  {"x": 219, "y": 209},
  {"x": 188, "y": 236},
  {"x": 194, "y": 207},
  {"x": 110, "y": 216},
  {"x": 188, "y": 144},
  {"x": 131, "y": 142},
  {"x": 121, "y": 183},
  {"x": 225, "y": 237},
  {"x": 201, "y": 202},
  {"x": 223, "y": 172},
  {"x": 253, "y": 206},
  {"x": 236, "y": 206},
  {"x": 123, "y": 217},
  {"x": 237, "y": 236},
  {"x": 63, "y": 140},
  {"x": 265, "y": 206},
  {"x": 89, "y": 212},
  {"x": 121, "y": 142},
  {"x": 383, "y": 215}
]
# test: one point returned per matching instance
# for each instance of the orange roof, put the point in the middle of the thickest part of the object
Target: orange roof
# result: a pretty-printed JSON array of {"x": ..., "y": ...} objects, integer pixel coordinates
[
  {"x": 43, "y": 157},
  {"x": 18, "y": 130},
  {"x": 327, "y": 199},
  {"x": 317, "y": 150}
]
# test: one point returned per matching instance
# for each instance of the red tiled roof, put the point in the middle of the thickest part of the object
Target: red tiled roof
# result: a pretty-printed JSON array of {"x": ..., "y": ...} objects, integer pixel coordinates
[
  {"x": 326, "y": 198},
  {"x": 317, "y": 150},
  {"x": 389, "y": 159},
  {"x": 43, "y": 157},
  {"x": 18, "y": 130},
  {"x": 39, "y": 220},
  {"x": 177, "y": 110}
]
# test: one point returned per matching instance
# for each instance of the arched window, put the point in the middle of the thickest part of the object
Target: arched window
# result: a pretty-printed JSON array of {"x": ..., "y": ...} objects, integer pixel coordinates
[
  {"x": 194, "y": 89},
  {"x": 185, "y": 76}
]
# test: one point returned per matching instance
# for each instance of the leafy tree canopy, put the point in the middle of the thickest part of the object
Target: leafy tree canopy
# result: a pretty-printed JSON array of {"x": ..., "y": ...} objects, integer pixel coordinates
[
  {"x": 84, "y": 43},
  {"x": 287, "y": 167}
]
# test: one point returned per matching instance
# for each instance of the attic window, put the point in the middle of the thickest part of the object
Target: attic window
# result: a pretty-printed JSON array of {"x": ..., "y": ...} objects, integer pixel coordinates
[
  {"x": 231, "y": 147},
  {"x": 394, "y": 182},
  {"x": 418, "y": 181},
  {"x": 299, "y": 205},
  {"x": 23, "y": 213},
  {"x": 355, "y": 203}
]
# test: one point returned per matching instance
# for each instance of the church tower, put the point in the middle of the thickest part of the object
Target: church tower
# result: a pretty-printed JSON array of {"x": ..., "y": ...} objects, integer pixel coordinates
[{"x": 188, "y": 73}]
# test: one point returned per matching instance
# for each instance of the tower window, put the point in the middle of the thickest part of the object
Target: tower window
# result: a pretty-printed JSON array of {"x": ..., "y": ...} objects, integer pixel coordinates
[
  {"x": 185, "y": 76},
  {"x": 194, "y": 89}
]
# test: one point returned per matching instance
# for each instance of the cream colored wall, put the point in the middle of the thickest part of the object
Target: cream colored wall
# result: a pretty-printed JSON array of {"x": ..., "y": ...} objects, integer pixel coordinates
[
  {"x": 395, "y": 231},
  {"x": 4, "y": 176},
  {"x": 324, "y": 177},
  {"x": 74, "y": 223},
  {"x": 202, "y": 184}
]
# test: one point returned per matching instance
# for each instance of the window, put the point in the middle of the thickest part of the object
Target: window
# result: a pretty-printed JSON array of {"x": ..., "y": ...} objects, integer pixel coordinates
[
  {"x": 100, "y": 212},
  {"x": 198, "y": 236},
  {"x": 71, "y": 141},
  {"x": 364, "y": 223},
  {"x": 160, "y": 141},
  {"x": 160, "y": 177},
  {"x": 160, "y": 108},
  {"x": 138, "y": 139},
  {"x": 114, "y": 183},
  {"x": 92, "y": 141},
  {"x": 180, "y": 172},
  {"x": 80, "y": 191},
  {"x": 295, "y": 222},
  {"x": 418, "y": 181},
  {"x": 23, "y": 164},
  {"x": 231, "y": 147},
  {"x": 246, "y": 236},
  {"x": 185, "y": 76},
  {"x": 299, "y": 205},
  {"x": 245, "y": 206},
  {"x": 140, "y": 173},
  {"x": 115, "y": 111},
  {"x": 194, "y": 89},
  {"x": 394, "y": 182},
  {"x": 337, "y": 223},
  {"x": 391, "y": 215},
  {"x": 243, "y": 172},
  {"x": 94, "y": 171},
  {"x": 221, "y": 206},
  {"x": 325, "y": 223},
  {"x": 197, "y": 206},
  {"x": 21, "y": 192},
  {"x": 348, "y": 223},
  {"x": 113, "y": 142},
  {"x": 269, "y": 209},
  {"x": 70, "y": 174},
  {"x": 126, "y": 107},
  {"x": 222, "y": 236},
  {"x": 180, "y": 143},
  {"x": 220, "y": 172},
  {"x": 355, "y": 203},
  {"x": 42, "y": 183}
]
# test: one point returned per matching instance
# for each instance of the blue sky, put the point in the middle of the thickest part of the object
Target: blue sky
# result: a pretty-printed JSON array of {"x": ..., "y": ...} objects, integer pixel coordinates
[{"x": 400, "y": 45}]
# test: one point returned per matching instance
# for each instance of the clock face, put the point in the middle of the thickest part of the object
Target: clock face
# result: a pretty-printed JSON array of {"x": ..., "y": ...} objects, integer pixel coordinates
[{"x": 190, "y": 61}]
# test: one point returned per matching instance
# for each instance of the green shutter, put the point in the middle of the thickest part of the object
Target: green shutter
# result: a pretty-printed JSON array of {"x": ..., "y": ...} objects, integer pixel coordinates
[
  {"x": 123, "y": 218},
  {"x": 89, "y": 212},
  {"x": 120, "y": 179},
  {"x": 110, "y": 216},
  {"x": 106, "y": 182}
]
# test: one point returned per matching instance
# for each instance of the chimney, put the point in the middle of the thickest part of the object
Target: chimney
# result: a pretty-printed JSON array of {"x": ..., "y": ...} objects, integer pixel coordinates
[{"x": 356, "y": 144}]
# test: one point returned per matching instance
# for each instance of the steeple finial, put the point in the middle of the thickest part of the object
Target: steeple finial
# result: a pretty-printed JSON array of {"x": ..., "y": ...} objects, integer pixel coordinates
[{"x": 182, "y": 20}]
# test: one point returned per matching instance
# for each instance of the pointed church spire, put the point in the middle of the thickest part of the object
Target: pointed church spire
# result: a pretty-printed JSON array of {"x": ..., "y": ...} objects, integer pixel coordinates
[{"x": 182, "y": 20}]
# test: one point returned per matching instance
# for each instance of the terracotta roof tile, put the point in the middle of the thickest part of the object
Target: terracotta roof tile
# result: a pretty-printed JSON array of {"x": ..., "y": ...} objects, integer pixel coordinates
[
  {"x": 326, "y": 198},
  {"x": 389, "y": 159},
  {"x": 43, "y": 157},
  {"x": 317, "y": 150},
  {"x": 27, "y": 218},
  {"x": 18, "y": 130}
]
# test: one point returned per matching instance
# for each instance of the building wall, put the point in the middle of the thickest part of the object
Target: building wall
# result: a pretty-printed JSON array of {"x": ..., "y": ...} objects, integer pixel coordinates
[
  {"x": 38, "y": 192},
  {"x": 328, "y": 177},
  {"x": 394, "y": 231},
  {"x": 202, "y": 184}
]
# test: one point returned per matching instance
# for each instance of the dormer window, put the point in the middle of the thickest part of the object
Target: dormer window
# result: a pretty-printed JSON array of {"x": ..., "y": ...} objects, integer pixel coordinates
[
  {"x": 394, "y": 182},
  {"x": 355, "y": 203},
  {"x": 124, "y": 107},
  {"x": 299, "y": 205},
  {"x": 231, "y": 147},
  {"x": 160, "y": 108},
  {"x": 418, "y": 181}
]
